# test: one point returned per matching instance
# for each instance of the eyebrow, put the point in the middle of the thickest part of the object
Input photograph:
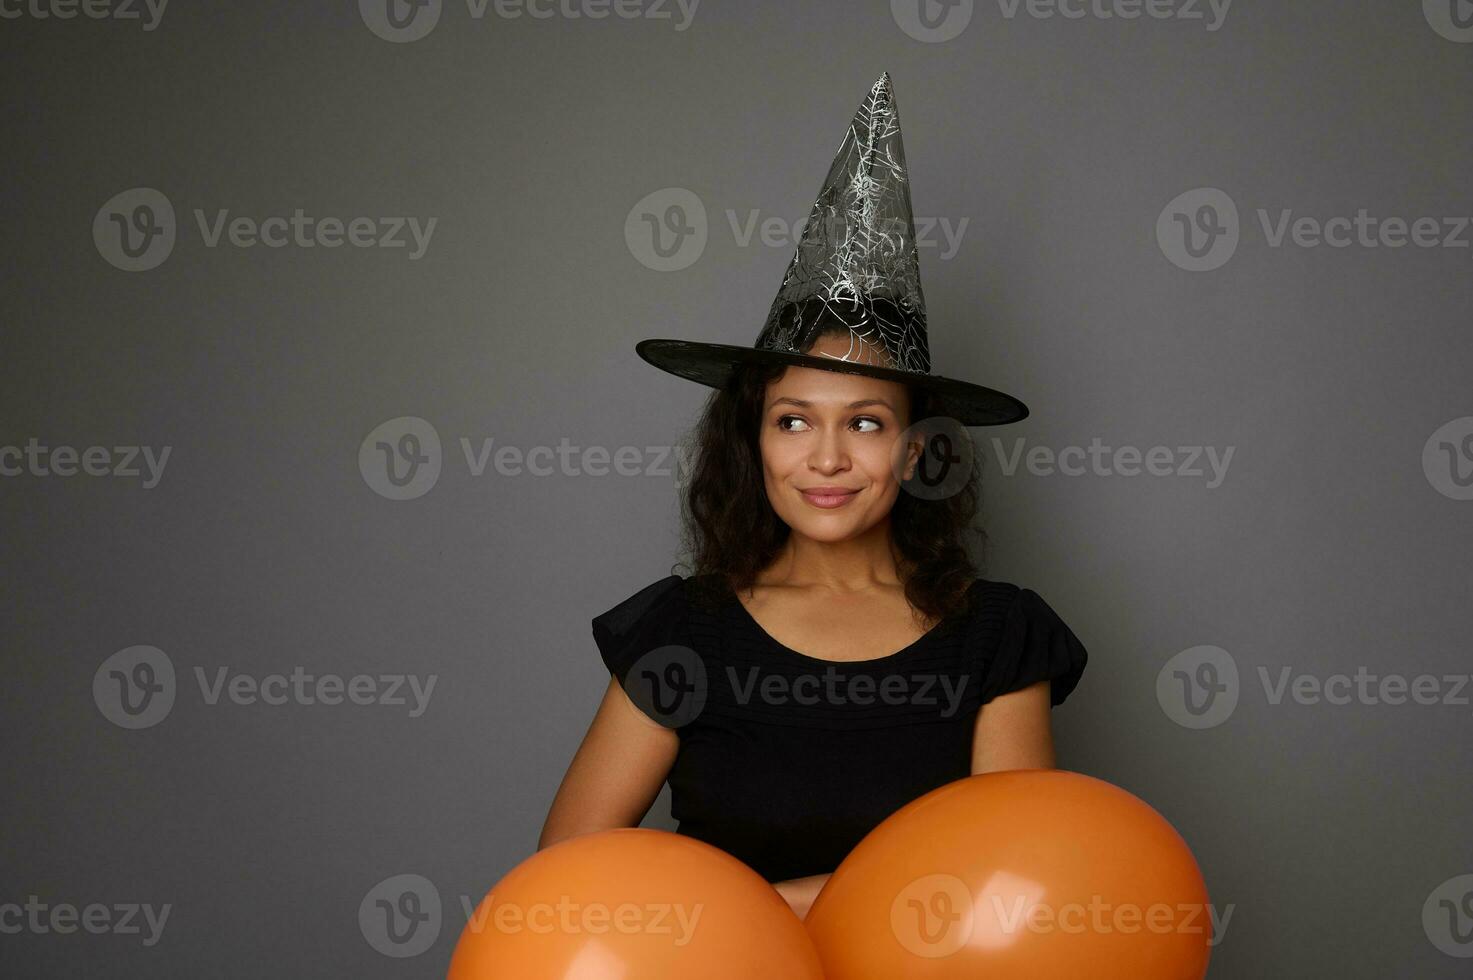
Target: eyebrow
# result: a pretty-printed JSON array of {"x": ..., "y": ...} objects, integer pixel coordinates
[{"x": 859, "y": 404}]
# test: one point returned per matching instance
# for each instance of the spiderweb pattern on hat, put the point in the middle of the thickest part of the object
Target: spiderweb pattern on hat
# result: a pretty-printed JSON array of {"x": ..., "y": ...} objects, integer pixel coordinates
[{"x": 856, "y": 263}]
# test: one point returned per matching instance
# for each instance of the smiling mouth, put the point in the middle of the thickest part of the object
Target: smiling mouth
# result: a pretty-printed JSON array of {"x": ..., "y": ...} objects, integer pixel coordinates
[{"x": 828, "y": 496}]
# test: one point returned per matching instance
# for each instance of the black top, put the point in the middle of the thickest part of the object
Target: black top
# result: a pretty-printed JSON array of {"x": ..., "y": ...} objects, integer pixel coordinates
[{"x": 786, "y": 761}]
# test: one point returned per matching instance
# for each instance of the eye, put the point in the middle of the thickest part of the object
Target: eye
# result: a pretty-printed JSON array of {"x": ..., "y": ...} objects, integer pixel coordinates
[
  {"x": 783, "y": 418},
  {"x": 859, "y": 420}
]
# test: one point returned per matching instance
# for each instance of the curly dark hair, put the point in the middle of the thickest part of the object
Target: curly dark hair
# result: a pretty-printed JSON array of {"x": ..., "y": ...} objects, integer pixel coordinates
[{"x": 730, "y": 531}]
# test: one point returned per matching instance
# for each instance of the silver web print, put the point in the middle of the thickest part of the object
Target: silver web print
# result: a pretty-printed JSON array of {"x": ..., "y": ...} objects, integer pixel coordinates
[{"x": 856, "y": 264}]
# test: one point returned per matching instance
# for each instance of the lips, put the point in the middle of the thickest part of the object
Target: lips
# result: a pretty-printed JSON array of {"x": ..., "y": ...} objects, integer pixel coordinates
[{"x": 828, "y": 497}]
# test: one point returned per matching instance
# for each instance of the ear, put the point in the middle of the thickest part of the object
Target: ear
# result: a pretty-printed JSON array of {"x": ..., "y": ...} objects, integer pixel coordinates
[{"x": 913, "y": 449}]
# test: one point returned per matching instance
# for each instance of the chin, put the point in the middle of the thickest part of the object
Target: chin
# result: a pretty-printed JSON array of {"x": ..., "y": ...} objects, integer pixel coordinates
[{"x": 828, "y": 531}]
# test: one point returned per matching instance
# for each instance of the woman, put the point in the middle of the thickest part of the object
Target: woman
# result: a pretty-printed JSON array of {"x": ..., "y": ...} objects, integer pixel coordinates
[{"x": 833, "y": 656}]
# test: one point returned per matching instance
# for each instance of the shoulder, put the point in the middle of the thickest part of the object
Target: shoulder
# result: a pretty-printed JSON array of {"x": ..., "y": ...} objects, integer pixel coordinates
[
  {"x": 661, "y": 599},
  {"x": 649, "y": 620},
  {"x": 1022, "y": 639},
  {"x": 987, "y": 596}
]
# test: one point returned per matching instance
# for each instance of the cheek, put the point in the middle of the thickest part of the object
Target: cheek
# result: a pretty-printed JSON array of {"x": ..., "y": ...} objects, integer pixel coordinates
[
  {"x": 779, "y": 458},
  {"x": 882, "y": 465}
]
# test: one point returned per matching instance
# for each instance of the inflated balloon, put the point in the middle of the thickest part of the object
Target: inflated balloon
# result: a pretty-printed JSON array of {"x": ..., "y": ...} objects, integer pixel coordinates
[
  {"x": 1030, "y": 873},
  {"x": 633, "y": 904}
]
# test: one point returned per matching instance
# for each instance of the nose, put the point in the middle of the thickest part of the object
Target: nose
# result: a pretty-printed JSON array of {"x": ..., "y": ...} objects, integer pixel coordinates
[{"x": 829, "y": 453}]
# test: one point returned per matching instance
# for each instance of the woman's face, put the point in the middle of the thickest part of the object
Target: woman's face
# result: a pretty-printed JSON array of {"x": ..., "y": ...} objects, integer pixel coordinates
[{"x": 826, "y": 431}]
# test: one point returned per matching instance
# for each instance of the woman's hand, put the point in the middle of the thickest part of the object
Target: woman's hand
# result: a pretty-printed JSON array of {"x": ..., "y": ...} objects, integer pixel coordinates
[{"x": 800, "y": 893}]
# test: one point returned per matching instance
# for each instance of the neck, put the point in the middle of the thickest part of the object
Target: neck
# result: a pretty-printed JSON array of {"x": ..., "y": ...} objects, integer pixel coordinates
[{"x": 854, "y": 565}]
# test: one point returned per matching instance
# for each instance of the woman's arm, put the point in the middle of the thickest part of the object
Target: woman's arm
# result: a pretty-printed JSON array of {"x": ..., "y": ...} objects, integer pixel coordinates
[
  {"x": 800, "y": 892},
  {"x": 616, "y": 773},
  {"x": 1013, "y": 731}
]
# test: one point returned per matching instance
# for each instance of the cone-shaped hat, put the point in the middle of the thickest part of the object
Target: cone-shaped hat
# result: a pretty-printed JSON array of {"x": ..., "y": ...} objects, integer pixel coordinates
[{"x": 855, "y": 267}]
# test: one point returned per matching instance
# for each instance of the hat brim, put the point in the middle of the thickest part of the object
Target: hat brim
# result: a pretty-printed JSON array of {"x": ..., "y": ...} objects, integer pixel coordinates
[{"x": 712, "y": 364}]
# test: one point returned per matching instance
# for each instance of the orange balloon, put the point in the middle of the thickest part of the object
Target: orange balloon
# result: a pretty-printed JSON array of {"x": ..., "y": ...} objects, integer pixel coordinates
[
  {"x": 633, "y": 904},
  {"x": 1028, "y": 873}
]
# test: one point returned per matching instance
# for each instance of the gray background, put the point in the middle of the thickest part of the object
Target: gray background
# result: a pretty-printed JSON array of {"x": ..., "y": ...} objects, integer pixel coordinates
[{"x": 1328, "y": 546}]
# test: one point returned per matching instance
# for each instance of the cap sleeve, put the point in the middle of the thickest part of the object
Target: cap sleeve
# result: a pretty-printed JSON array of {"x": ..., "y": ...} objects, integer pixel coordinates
[
  {"x": 1034, "y": 645},
  {"x": 650, "y": 618}
]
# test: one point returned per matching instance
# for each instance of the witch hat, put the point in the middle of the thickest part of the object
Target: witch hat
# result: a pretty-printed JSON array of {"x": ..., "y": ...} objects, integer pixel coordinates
[{"x": 855, "y": 266}]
